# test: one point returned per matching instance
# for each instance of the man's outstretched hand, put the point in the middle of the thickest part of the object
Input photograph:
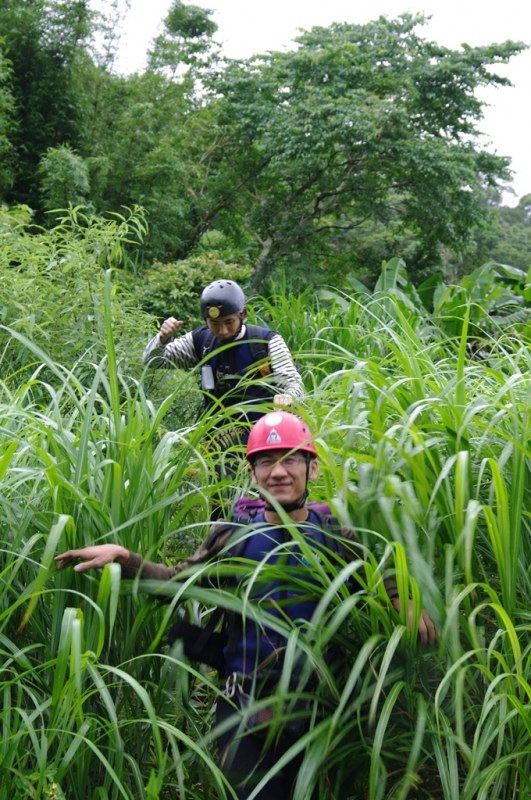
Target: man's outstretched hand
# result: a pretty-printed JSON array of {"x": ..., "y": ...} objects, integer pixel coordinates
[{"x": 94, "y": 557}]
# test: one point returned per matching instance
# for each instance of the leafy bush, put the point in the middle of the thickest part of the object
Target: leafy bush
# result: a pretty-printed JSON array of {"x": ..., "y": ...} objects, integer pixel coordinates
[
  {"x": 7, "y": 112},
  {"x": 64, "y": 178},
  {"x": 51, "y": 293},
  {"x": 51, "y": 290},
  {"x": 173, "y": 290}
]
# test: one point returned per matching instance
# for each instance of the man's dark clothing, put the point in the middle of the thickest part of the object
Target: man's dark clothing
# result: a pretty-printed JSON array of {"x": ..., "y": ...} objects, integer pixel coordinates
[{"x": 255, "y": 642}]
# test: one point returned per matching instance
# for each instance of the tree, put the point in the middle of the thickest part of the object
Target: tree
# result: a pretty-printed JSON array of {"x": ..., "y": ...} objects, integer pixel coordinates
[
  {"x": 505, "y": 238},
  {"x": 358, "y": 122},
  {"x": 146, "y": 135},
  {"x": 7, "y": 109},
  {"x": 146, "y": 144},
  {"x": 310, "y": 163},
  {"x": 187, "y": 39},
  {"x": 46, "y": 43},
  {"x": 65, "y": 178}
]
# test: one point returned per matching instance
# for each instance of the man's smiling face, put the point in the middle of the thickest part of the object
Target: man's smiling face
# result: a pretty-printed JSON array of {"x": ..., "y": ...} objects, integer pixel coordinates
[{"x": 283, "y": 474}]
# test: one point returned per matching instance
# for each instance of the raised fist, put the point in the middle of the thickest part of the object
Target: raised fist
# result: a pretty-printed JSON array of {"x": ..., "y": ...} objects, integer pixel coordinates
[{"x": 168, "y": 328}]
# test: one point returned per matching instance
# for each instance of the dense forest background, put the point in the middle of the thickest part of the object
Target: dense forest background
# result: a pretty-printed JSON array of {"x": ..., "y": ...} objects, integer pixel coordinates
[
  {"x": 310, "y": 165},
  {"x": 342, "y": 184}
]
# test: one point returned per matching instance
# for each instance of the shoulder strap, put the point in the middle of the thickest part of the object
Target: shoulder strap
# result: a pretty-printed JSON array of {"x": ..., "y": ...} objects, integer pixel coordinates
[
  {"x": 223, "y": 527},
  {"x": 203, "y": 339},
  {"x": 259, "y": 349},
  {"x": 329, "y": 524},
  {"x": 238, "y": 546},
  {"x": 331, "y": 527},
  {"x": 234, "y": 624}
]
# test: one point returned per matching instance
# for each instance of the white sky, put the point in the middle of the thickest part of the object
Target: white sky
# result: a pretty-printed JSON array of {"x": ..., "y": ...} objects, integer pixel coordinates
[{"x": 246, "y": 27}]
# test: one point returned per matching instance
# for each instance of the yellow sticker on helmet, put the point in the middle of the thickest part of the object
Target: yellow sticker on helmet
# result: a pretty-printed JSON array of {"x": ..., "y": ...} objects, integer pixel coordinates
[{"x": 213, "y": 312}]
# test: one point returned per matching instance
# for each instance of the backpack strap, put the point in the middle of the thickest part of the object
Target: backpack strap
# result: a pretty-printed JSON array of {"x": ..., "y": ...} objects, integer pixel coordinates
[
  {"x": 260, "y": 349},
  {"x": 232, "y": 622},
  {"x": 223, "y": 527},
  {"x": 331, "y": 528},
  {"x": 237, "y": 548},
  {"x": 328, "y": 523},
  {"x": 204, "y": 341},
  {"x": 239, "y": 545}
]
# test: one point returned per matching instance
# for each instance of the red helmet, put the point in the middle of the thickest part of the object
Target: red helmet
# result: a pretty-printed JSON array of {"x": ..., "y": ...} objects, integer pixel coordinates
[{"x": 280, "y": 430}]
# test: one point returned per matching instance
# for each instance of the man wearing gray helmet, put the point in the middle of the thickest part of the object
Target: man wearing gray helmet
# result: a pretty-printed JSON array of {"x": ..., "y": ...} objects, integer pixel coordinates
[{"x": 241, "y": 362}]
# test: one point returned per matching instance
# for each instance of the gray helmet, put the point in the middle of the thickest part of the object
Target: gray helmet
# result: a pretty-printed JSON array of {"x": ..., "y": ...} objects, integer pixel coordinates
[{"x": 221, "y": 298}]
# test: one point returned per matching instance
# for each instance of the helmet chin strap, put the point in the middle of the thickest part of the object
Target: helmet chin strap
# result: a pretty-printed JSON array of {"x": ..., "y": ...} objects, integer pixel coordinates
[
  {"x": 290, "y": 506},
  {"x": 233, "y": 338}
]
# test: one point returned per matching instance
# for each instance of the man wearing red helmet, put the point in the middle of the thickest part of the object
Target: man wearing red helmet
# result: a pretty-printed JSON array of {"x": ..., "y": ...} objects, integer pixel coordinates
[{"x": 283, "y": 458}]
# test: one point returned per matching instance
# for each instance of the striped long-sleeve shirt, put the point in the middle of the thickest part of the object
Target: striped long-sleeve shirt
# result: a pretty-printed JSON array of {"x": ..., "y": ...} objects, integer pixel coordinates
[{"x": 181, "y": 353}]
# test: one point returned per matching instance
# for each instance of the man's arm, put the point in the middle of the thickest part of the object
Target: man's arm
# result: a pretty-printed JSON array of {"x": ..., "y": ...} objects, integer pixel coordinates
[
  {"x": 215, "y": 542},
  {"x": 134, "y": 565},
  {"x": 283, "y": 367},
  {"x": 161, "y": 352}
]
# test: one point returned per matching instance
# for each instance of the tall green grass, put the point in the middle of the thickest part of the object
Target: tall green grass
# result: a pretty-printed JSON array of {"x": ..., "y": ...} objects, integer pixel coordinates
[{"x": 422, "y": 449}]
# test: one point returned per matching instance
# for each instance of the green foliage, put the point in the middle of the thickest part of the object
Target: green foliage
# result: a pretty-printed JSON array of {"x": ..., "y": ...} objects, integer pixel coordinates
[
  {"x": 51, "y": 289},
  {"x": 188, "y": 36},
  {"x": 46, "y": 43},
  {"x": 146, "y": 142},
  {"x": 357, "y": 146},
  {"x": 14, "y": 219},
  {"x": 90, "y": 462},
  {"x": 190, "y": 22},
  {"x": 426, "y": 450},
  {"x": 493, "y": 298},
  {"x": 419, "y": 398},
  {"x": 7, "y": 113},
  {"x": 64, "y": 178},
  {"x": 357, "y": 121},
  {"x": 173, "y": 289},
  {"x": 506, "y": 239},
  {"x": 375, "y": 241}
]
